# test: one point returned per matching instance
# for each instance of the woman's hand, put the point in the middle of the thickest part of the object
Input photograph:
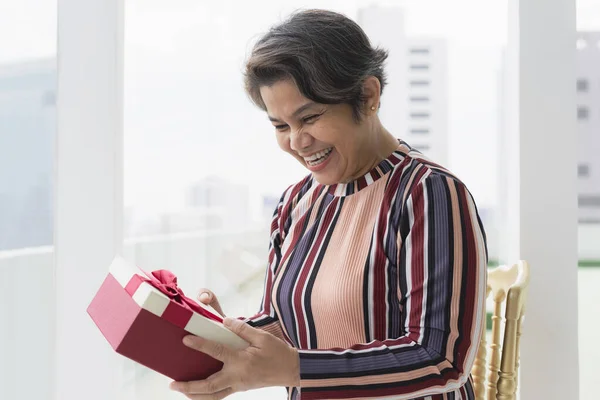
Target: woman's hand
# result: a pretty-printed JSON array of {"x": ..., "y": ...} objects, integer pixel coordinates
[
  {"x": 207, "y": 297},
  {"x": 267, "y": 361}
]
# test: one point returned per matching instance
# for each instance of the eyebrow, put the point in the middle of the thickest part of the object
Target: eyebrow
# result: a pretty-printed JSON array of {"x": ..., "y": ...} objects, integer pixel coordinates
[{"x": 297, "y": 112}]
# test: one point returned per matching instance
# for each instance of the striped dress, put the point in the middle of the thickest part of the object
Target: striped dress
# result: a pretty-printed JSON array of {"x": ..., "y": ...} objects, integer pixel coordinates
[{"x": 379, "y": 283}]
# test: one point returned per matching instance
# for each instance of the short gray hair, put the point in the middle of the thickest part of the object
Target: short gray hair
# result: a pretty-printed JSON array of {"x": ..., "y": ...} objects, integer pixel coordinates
[{"x": 326, "y": 54}]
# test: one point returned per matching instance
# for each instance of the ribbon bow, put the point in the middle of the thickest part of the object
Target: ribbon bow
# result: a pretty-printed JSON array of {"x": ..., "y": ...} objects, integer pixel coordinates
[{"x": 166, "y": 282}]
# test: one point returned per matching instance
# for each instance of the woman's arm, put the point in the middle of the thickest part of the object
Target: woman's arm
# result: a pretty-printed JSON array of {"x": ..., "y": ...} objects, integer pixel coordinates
[{"x": 442, "y": 262}]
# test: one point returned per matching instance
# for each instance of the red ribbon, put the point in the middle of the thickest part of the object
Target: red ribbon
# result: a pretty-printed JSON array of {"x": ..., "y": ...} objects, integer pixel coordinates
[{"x": 166, "y": 282}]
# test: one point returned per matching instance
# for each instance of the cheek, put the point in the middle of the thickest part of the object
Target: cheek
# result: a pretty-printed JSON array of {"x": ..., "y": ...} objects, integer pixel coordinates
[
  {"x": 283, "y": 142},
  {"x": 332, "y": 131}
]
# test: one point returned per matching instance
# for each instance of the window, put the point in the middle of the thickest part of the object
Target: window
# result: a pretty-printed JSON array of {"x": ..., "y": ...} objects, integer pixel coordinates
[
  {"x": 586, "y": 59},
  {"x": 582, "y": 85},
  {"x": 421, "y": 147},
  {"x": 419, "y": 83},
  {"x": 419, "y": 67},
  {"x": 27, "y": 117},
  {"x": 588, "y": 200},
  {"x": 419, "y": 99},
  {"x": 177, "y": 140},
  {"x": 583, "y": 170},
  {"x": 28, "y": 125},
  {"x": 49, "y": 99},
  {"x": 418, "y": 50},
  {"x": 583, "y": 113},
  {"x": 589, "y": 221}
]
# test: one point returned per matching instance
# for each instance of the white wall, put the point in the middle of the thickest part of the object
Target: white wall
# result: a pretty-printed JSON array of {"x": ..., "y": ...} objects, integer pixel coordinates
[
  {"x": 547, "y": 193},
  {"x": 26, "y": 324},
  {"x": 88, "y": 190}
]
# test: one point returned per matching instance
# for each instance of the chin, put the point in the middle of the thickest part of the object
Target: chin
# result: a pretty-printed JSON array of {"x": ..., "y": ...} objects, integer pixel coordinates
[{"x": 325, "y": 180}]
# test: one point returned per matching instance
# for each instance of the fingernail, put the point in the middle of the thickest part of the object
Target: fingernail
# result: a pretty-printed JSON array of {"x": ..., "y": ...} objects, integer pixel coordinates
[
  {"x": 188, "y": 341},
  {"x": 227, "y": 321},
  {"x": 204, "y": 296}
]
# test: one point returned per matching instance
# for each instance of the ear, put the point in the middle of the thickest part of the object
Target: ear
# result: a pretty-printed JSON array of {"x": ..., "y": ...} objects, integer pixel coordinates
[{"x": 372, "y": 95}]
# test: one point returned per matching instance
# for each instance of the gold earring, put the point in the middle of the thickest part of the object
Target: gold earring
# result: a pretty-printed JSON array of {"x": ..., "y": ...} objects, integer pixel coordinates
[{"x": 372, "y": 108}]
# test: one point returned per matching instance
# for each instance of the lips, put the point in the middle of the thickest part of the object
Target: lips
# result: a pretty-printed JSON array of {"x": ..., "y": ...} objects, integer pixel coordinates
[
  {"x": 320, "y": 160},
  {"x": 318, "y": 157}
]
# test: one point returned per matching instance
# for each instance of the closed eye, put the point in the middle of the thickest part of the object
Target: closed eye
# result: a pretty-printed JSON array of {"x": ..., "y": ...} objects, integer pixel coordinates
[
  {"x": 307, "y": 120},
  {"x": 311, "y": 118}
]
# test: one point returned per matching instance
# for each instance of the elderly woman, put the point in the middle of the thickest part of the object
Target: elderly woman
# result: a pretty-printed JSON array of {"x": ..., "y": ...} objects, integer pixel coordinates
[{"x": 376, "y": 275}]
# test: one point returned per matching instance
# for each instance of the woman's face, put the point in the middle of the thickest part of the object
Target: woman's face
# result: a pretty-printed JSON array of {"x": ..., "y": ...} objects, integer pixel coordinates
[{"x": 322, "y": 137}]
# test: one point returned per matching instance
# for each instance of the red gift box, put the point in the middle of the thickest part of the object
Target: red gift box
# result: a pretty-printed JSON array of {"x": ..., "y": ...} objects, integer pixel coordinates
[{"x": 145, "y": 316}]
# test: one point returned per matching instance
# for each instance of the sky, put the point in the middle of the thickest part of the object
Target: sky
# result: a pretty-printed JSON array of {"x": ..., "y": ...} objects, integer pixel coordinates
[{"x": 186, "y": 115}]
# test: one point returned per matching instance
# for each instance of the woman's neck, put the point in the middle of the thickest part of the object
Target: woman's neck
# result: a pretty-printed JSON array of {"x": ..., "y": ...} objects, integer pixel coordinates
[{"x": 378, "y": 146}]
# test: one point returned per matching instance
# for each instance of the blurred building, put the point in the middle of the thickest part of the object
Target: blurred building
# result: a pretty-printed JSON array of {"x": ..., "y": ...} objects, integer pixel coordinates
[
  {"x": 269, "y": 204},
  {"x": 211, "y": 204},
  {"x": 587, "y": 87},
  {"x": 27, "y": 132},
  {"x": 427, "y": 100},
  {"x": 215, "y": 193},
  {"x": 588, "y": 124},
  {"x": 414, "y": 104}
]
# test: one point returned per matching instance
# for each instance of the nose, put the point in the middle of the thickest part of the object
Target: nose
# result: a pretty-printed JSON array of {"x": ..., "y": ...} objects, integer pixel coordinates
[{"x": 299, "y": 140}]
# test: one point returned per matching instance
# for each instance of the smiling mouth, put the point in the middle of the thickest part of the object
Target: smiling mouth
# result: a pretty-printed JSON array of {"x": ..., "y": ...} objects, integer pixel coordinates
[{"x": 318, "y": 158}]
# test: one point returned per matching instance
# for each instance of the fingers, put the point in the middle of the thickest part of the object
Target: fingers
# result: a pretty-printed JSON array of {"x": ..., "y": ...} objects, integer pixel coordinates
[
  {"x": 207, "y": 297},
  {"x": 213, "y": 349},
  {"x": 214, "y": 384},
  {"x": 215, "y": 396},
  {"x": 251, "y": 335}
]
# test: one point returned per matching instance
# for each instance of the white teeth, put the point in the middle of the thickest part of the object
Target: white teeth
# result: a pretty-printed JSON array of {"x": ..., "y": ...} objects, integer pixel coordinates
[{"x": 317, "y": 156}]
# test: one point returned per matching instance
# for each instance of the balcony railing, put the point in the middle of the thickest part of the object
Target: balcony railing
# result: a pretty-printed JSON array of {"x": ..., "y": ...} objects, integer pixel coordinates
[{"x": 229, "y": 262}]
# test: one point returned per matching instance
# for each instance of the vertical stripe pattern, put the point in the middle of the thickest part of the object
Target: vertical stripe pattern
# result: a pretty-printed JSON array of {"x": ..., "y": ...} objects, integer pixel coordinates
[{"x": 379, "y": 283}]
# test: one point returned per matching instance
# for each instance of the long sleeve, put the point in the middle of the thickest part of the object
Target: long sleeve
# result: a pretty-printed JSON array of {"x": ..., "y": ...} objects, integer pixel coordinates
[
  {"x": 441, "y": 269},
  {"x": 266, "y": 318}
]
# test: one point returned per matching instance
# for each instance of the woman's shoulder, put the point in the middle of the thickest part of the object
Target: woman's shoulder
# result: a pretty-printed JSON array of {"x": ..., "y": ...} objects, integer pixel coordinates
[
  {"x": 419, "y": 170},
  {"x": 297, "y": 191},
  {"x": 293, "y": 194}
]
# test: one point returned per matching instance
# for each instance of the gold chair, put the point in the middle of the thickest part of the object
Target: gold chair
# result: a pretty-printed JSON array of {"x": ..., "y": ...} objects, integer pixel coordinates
[{"x": 506, "y": 284}]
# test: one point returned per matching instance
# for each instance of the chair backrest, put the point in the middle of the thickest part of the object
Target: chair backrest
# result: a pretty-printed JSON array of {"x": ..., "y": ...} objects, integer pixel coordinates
[{"x": 507, "y": 285}]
